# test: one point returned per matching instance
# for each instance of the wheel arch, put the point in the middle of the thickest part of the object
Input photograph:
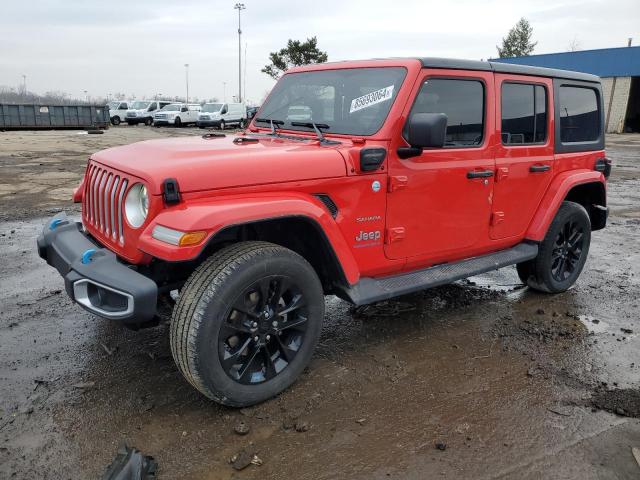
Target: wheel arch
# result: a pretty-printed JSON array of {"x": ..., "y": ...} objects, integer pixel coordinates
[
  {"x": 295, "y": 221},
  {"x": 298, "y": 233},
  {"x": 588, "y": 188}
]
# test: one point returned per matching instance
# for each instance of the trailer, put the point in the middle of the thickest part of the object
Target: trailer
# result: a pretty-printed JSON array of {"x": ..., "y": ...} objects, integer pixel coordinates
[{"x": 53, "y": 117}]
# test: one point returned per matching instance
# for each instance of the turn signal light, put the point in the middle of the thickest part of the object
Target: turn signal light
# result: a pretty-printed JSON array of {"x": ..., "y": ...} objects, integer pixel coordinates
[{"x": 192, "y": 238}]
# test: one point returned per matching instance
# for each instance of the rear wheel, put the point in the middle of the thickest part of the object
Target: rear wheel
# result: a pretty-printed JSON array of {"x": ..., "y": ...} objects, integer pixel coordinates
[
  {"x": 247, "y": 322},
  {"x": 148, "y": 121},
  {"x": 562, "y": 253},
  {"x": 131, "y": 124}
]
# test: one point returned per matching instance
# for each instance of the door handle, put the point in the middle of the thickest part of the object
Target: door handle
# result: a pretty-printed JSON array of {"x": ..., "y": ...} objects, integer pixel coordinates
[
  {"x": 479, "y": 173},
  {"x": 539, "y": 168}
]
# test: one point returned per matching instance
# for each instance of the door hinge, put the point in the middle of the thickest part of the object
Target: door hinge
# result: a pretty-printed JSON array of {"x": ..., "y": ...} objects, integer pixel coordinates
[
  {"x": 394, "y": 234},
  {"x": 503, "y": 173},
  {"x": 397, "y": 183},
  {"x": 497, "y": 218}
]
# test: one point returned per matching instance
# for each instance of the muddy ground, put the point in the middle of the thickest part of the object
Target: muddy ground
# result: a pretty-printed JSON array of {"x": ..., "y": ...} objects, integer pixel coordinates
[{"x": 507, "y": 382}]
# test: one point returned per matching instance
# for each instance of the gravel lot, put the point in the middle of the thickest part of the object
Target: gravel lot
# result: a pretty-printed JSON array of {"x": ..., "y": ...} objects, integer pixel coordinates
[{"x": 508, "y": 383}]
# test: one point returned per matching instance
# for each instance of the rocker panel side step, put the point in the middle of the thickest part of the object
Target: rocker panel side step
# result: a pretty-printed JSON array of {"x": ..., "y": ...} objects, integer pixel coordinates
[{"x": 369, "y": 290}]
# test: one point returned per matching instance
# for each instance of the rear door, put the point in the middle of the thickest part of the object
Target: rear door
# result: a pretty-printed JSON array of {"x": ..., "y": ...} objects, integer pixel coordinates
[
  {"x": 439, "y": 202},
  {"x": 524, "y": 151}
]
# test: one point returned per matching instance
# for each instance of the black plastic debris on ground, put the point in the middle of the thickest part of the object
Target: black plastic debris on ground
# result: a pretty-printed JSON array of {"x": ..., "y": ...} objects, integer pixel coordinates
[{"x": 131, "y": 464}]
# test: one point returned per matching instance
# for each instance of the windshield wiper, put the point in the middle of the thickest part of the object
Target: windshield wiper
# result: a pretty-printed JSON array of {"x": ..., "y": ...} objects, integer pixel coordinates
[
  {"x": 272, "y": 122},
  {"x": 315, "y": 126}
]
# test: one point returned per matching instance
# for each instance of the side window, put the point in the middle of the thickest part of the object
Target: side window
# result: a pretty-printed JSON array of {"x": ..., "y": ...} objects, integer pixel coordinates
[
  {"x": 463, "y": 103},
  {"x": 579, "y": 115},
  {"x": 524, "y": 113},
  {"x": 123, "y": 106},
  {"x": 153, "y": 106}
]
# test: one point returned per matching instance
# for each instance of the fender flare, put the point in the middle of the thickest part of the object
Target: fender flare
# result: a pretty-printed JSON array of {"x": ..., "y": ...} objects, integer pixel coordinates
[
  {"x": 554, "y": 196},
  {"x": 217, "y": 214}
]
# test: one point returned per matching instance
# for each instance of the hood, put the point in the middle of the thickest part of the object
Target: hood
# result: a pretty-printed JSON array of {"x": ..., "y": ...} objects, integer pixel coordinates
[{"x": 199, "y": 163}]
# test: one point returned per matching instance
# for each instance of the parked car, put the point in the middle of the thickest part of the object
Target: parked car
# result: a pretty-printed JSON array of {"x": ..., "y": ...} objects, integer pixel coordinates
[
  {"x": 177, "y": 114},
  {"x": 411, "y": 173},
  {"x": 222, "y": 115},
  {"x": 141, "y": 111},
  {"x": 251, "y": 112},
  {"x": 118, "y": 111}
]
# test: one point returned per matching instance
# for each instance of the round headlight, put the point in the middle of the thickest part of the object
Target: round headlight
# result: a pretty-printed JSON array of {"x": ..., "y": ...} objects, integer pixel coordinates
[{"x": 136, "y": 205}]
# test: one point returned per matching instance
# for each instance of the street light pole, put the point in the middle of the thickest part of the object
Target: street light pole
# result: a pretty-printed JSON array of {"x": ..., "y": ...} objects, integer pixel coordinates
[
  {"x": 239, "y": 7},
  {"x": 186, "y": 68},
  {"x": 224, "y": 91},
  {"x": 24, "y": 83}
]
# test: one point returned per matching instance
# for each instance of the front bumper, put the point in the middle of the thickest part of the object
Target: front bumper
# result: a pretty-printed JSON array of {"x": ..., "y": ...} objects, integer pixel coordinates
[
  {"x": 208, "y": 123},
  {"x": 94, "y": 277}
]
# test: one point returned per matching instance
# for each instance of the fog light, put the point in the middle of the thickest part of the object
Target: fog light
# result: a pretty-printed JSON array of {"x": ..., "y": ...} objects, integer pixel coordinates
[{"x": 176, "y": 237}]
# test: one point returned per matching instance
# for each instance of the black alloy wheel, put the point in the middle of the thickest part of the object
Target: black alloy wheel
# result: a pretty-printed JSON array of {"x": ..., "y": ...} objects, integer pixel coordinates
[
  {"x": 263, "y": 331},
  {"x": 567, "y": 251}
]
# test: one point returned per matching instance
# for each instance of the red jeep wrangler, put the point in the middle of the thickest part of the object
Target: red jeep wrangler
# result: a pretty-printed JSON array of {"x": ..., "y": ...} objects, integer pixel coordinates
[{"x": 364, "y": 179}]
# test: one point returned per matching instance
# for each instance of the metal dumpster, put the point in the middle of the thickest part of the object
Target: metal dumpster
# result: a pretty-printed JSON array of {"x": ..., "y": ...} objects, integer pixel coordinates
[{"x": 49, "y": 117}]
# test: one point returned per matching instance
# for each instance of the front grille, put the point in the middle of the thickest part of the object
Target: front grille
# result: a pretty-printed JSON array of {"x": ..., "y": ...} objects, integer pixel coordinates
[
  {"x": 205, "y": 117},
  {"x": 103, "y": 202},
  {"x": 160, "y": 115}
]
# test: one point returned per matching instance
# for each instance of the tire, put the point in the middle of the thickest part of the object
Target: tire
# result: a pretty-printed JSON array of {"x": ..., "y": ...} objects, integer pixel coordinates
[
  {"x": 115, "y": 120},
  {"x": 177, "y": 122},
  {"x": 131, "y": 124},
  {"x": 205, "y": 326},
  {"x": 242, "y": 124},
  {"x": 222, "y": 125},
  {"x": 562, "y": 253},
  {"x": 201, "y": 127},
  {"x": 148, "y": 122}
]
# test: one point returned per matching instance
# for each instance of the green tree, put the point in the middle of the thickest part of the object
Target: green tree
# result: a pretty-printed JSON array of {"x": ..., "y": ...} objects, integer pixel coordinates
[
  {"x": 296, "y": 53},
  {"x": 518, "y": 43}
]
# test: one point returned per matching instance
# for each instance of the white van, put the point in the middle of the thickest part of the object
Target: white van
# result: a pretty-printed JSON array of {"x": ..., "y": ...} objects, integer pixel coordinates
[
  {"x": 118, "y": 111},
  {"x": 141, "y": 111},
  {"x": 177, "y": 114},
  {"x": 222, "y": 115}
]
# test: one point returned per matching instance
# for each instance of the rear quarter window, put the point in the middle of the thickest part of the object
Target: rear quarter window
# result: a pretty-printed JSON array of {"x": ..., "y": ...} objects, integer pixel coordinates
[{"x": 579, "y": 117}]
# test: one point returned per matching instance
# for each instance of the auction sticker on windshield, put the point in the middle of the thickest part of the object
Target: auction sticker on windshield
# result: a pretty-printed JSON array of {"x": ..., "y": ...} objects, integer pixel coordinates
[{"x": 372, "y": 98}]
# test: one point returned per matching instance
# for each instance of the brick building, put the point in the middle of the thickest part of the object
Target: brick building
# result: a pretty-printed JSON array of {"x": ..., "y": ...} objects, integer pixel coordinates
[{"x": 620, "y": 72}]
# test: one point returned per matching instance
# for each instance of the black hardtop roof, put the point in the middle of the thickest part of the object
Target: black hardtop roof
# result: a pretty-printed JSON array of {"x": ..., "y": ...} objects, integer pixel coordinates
[{"x": 500, "y": 67}]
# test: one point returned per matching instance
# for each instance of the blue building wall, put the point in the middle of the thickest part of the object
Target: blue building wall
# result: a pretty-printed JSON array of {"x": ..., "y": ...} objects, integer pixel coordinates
[{"x": 606, "y": 62}]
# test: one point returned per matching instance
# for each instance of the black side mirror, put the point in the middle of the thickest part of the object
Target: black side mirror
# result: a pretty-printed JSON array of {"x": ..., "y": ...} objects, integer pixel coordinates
[
  {"x": 427, "y": 130},
  {"x": 184, "y": 109},
  {"x": 223, "y": 111}
]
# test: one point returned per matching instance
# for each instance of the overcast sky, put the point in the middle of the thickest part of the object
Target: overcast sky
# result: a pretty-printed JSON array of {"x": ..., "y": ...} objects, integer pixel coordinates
[{"x": 139, "y": 47}]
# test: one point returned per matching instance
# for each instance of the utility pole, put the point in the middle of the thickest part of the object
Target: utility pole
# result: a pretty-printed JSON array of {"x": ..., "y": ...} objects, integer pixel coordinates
[
  {"x": 186, "y": 69},
  {"x": 24, "y": 83},
  {"x": 224, "y": 92},
  {"x": 239, "y": 7}
]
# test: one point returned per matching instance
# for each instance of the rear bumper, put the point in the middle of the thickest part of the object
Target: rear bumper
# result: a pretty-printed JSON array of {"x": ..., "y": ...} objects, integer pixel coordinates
[{"x": 94, "y": 277}]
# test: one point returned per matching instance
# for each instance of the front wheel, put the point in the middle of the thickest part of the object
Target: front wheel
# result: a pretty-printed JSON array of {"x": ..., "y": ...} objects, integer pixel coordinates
[
  {"x": 562, "y": 253},
  {"x": 247, "y": 322},
  {"x": 115, "y": 120},
  {"x": 148, "y": 122},
  {"x": 177, "y": 122},
  {"x": 222, "y": 125}
]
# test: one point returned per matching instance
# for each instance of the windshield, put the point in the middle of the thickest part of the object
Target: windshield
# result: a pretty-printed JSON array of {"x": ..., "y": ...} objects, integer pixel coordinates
[
  {"x": 212, "y": 107},
  {"x": 139, "y": 105},
  {"x": 353, "y": 101},
  {"x": 174, "y": 107}
]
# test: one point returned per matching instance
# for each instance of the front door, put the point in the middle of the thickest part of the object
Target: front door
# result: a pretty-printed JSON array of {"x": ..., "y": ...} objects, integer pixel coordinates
[
  {"x": 439, "y": 202},
  {"x": 524, "y": 152}
]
